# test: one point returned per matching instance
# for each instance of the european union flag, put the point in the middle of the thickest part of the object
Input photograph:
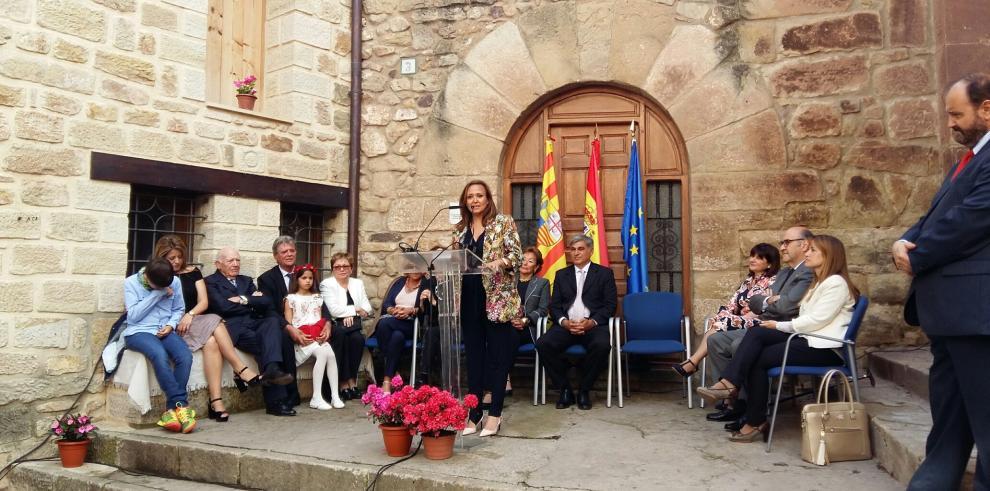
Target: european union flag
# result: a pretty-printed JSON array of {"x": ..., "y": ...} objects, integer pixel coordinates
[{"x": 634, "y": 228}]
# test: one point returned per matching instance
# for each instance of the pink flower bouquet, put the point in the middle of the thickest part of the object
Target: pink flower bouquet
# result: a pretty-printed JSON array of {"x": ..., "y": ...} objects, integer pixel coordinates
[
  {"x": 73, "y": 428},
  {"x": 246, "y": 85},
  {"x": 386, "y": 408},
  {"x": 432, "y": 411}
]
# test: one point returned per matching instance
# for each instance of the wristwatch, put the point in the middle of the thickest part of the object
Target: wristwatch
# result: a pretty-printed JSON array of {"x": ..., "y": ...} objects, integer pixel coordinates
[{"x": 244, "y": 300}]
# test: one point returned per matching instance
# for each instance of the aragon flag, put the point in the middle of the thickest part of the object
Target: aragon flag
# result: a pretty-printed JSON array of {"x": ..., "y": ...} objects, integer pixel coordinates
[
  {"x": 550, "y": 235},
  {"x": 594, "y": 224}
]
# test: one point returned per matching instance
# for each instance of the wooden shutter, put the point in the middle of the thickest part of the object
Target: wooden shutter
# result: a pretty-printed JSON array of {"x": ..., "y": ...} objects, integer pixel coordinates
[{"x": 235, "y": 48}]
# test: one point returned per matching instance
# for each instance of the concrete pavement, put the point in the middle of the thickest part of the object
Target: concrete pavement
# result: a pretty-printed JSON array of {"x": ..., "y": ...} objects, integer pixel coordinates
[{"x": 655, "y": 442}]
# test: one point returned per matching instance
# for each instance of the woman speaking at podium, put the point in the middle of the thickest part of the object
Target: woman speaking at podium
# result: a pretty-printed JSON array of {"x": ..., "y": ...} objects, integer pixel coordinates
[{"x": 488, "y": 301}]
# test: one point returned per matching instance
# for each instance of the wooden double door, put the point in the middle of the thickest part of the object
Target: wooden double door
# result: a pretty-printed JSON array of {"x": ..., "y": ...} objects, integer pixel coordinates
[{"x": 573, "y": 119}]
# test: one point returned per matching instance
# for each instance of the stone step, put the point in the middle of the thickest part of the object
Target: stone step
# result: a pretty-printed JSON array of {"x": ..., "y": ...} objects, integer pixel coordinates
[
  {"x": 900, "y": 416},
  {"x": 241, "y": 468},
  {"x": 35, "y": 476},
  {"x": 908, "y": 369},
  {"x": 538, "y": 447}
]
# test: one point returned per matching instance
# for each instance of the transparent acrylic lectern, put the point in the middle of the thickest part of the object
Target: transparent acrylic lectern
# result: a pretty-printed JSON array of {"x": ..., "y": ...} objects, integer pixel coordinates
[{"x": 448, "y": 267}]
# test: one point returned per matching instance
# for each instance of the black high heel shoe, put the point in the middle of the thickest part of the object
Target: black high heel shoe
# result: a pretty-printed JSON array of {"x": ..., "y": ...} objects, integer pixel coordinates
[
  {"x": 219, "y": 416},
  {"x": 242, "y": 385},
  {"x": 681, "y": 368}
]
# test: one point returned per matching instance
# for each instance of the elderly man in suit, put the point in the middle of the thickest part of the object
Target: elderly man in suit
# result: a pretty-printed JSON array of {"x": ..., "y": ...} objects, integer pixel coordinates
[
  {"x": 275, "y": 284},
  {"x": 947, "y": 253},
  {"x": 584, "y": 298},
  {"x": 788, "y": 289},
  {"x": 252, "y": 327}
]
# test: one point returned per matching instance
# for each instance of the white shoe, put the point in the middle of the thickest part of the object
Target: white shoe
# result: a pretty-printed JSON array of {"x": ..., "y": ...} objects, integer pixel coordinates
[
  {"x": 471, "y": 428},
  {"x": 319, "y": 404},
  {"x": 487, "y": 432},
  {"x": 337, "y": 404}
]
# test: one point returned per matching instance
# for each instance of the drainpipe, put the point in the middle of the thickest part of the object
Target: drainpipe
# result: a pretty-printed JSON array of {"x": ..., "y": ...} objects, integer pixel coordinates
[{"x": 354, "y": 170}]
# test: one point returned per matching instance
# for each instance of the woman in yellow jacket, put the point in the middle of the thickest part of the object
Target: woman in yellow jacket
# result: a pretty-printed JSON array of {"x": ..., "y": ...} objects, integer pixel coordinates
[{"x": 488, "y": 301}]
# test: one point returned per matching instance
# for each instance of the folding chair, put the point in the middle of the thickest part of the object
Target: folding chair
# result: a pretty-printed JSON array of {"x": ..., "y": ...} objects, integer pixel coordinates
[
  {"x": 372, "y": 344},
  {"x": 530, "y": 348},
  {"x": 848, "y": 368},
  {"x": 655, "y": 324}
]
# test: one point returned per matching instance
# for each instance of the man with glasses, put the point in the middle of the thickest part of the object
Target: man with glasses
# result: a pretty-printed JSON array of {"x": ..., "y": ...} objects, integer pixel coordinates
[{"x": 788, "y": 289}]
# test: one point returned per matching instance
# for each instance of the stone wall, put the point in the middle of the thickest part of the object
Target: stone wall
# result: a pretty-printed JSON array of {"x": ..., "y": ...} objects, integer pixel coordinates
[
  {"x": 821, "y": 112},
  {"x": 128, "y": 77}
]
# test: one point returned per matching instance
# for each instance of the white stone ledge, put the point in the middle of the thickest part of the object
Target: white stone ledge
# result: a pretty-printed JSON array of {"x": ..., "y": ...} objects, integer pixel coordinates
[{"x": 253, "y": 114}]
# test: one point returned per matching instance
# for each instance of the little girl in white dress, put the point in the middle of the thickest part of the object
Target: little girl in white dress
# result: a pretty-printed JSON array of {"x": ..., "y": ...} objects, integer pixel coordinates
[{"x": 304, "y": 308}]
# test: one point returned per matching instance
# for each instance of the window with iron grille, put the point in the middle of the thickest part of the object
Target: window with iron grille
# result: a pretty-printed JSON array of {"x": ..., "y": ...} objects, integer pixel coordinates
[
  {"x": 663, "y": 223},
  {"x": 156, "y": 212},
  {"x": 526, "y": 211},
  {"x": 308, "y": 226}
]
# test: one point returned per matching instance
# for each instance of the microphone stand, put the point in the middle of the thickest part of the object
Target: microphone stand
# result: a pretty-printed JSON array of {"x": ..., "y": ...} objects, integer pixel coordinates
[{"x": 427, "y": 355}]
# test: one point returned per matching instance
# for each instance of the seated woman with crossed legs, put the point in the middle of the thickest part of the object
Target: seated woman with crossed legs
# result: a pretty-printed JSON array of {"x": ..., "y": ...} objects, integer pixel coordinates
[
  {"x": 825, "y": 310},
  {"x": 202, "y": 330},
  {"x": 764, "y": 263}
]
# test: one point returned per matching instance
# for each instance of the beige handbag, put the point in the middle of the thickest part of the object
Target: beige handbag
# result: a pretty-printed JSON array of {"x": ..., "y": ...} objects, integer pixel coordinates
[{"x": 834, "y": 431}]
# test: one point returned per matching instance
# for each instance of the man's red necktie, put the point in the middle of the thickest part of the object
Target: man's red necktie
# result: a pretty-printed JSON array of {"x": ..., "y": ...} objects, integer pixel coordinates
[{"x": 962, "y": 164}]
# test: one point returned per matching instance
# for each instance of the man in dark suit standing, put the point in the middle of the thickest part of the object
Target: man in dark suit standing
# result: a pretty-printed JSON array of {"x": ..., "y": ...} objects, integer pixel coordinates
[
  {"x": 948, "y": 254},
  {"x": 252, "y": 327},
  {"x": 274, "y": 283},
  {"x": 583, "y": 300},
  {"x": 788, "y": 289}
]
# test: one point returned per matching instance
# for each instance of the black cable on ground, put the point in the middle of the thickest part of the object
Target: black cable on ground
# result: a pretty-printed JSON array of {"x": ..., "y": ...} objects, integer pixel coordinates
[
  {"x": 382, "y": 469},
  {"x": 24, "y": 458}
]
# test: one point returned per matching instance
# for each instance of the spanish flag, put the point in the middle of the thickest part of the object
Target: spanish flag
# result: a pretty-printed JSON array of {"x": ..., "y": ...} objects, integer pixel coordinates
[
  {"x": 550, "y": 235},
  {"x": 594, "y": 224}
]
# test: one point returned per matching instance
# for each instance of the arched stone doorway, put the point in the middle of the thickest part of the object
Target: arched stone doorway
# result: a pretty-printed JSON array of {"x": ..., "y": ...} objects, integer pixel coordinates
[{"x": 572, "y": 115}]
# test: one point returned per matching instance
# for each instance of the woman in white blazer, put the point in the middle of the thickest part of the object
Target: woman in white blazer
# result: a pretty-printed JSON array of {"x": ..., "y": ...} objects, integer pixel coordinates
[
  {"x": 347, "y": 301},
  {"x": 825, "y": 310}
]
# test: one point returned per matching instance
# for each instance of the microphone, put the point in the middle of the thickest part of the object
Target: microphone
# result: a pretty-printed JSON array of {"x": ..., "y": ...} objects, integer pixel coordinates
[{"x": 415, "y": 246}]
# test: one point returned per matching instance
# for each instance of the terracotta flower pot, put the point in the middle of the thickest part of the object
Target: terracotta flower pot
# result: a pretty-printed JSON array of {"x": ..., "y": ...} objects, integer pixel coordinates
[
  {"x": 73, "y": 454},
  {"x": 439, "y": 447},
  {"x": 246, "y": 101},
  {"x": 398, "y": 440}
]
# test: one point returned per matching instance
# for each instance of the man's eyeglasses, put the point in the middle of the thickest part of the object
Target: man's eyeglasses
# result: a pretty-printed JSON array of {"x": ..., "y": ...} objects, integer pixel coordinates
[
  {"x": 341, "y": 267},
  {"x": 787, "y": 242}
]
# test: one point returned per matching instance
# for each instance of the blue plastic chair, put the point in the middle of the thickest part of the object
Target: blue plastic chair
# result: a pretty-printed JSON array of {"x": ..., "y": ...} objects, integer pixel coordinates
[
  {"x": 848, "y": 368},
  {"x": 372, "y": 344},
  {"x": 655, "y": 324},
  {"x": 578, "y": 350},
  {"x": 530, "y": 349}
]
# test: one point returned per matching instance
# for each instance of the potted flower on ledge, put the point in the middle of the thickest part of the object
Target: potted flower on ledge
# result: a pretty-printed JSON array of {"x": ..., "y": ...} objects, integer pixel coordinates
[
  {"x": 437, "y": 416},
  {"x": 246, "y": 92},
  {"x": 386, "y": 409},
  {"x": 72, "y": 433}
]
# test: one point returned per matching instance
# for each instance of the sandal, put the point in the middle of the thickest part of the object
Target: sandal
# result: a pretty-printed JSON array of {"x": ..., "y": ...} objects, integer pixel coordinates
[
  {"x": 680, "y": 368},
  {"x": 242, "y": 385},
  {"x": 219, "y": 416},
  {"x": 714, "y": 394}
]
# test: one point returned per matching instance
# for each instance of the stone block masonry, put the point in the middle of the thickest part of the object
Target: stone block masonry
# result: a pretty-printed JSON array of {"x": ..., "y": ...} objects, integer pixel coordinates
[
  {"x": 828, "y": 104},
  {"x": 128, "y": 77},
  {"x": 820, "y": 112}
]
